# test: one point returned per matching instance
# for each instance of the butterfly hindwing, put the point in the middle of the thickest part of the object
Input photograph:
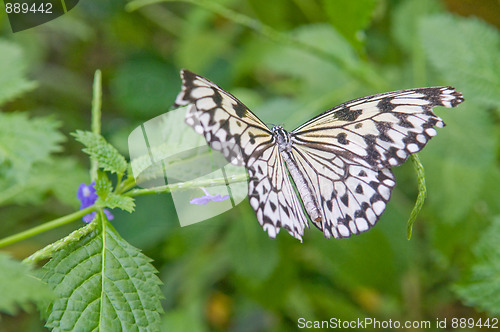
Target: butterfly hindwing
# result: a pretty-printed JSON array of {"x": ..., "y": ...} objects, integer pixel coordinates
[
  {"x": 351, "y": 196},
  {"x": 272, "y": 196}
]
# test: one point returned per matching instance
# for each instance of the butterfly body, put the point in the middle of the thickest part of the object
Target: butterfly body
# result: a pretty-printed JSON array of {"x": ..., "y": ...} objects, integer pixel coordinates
[
  {"x": 339, "y": 161},
  {"x": 304, "y": 189}
]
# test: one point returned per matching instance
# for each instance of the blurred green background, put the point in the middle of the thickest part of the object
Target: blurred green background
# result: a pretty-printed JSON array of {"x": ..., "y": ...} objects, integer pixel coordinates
[{"x": 288, "y": 60}]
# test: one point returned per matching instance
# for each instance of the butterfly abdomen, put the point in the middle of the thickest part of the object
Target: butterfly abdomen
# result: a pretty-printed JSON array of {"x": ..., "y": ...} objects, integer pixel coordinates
[{"x": 301, "y": 183}]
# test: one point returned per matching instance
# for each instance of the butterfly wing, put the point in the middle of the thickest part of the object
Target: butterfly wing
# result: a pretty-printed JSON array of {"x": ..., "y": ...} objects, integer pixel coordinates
[
  {"x": 351, "y": 196},
  {"x": 272, "y": 196},
  {"x": 227, "y": 124},
  {"x": 346, "y": 152},
  {"x": 379, "y": 131},
  {"x": 230, "y": 127}
]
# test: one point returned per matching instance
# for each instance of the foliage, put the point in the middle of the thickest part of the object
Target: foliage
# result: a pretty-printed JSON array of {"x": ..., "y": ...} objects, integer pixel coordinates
[
  {"x": 19, "y": 287},
  {"x": 107, "y": 157},
  {"x": 480, "y": 288},
  {"x": 288, "y": 61},
  {"x": 102, "y": 282}
]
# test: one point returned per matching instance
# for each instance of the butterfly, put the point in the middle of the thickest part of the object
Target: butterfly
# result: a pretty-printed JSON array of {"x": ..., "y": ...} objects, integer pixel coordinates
[{"x": 334, "y": 170}]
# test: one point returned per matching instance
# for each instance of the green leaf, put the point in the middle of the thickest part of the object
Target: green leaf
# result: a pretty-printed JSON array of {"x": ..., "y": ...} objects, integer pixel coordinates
[
  {"x": 121, "y": 202},
  {"x": 18, "y": 286},
  {"x": 457, "y": 163},
  {"x": 104, "y": 189},
  {"x": 482, "y": 286},
  {"x": 145, "y": 86},
  {"x": 13, "y": 68},
  {"x": 45, "y": 178},
  {"x": 323, "y": 82},
  {"x": 24, "y": 141},
  {"x": 405, "y": 21},
  {"x": 465, "y": 51},
  {"x": 99, "y": 149},
  {"x": 103, "y": 283},
  {"x": 277, "y": 14},
  {"x": 350, "y": 17}
]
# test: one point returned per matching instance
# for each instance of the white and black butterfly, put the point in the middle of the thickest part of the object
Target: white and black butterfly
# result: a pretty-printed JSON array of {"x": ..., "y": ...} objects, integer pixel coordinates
[{"x": 339, "y": 161}]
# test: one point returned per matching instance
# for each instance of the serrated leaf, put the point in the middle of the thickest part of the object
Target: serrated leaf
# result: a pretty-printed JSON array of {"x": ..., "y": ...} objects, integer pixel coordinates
[
  {"x": 45, "y": 178},
  {"x": 24, "y": 141},
  {"x": 104, "y": 189},
  {"x": 108, "y": 158},
  {"x": 18, "y": 286},
  {"x": 13, "y": 68},
  {"x": 103, "y": 283},
  {"x": 126, "y": 203},
  {"x": 482, "y": 286},
  {"x": 465, "y": 51}
]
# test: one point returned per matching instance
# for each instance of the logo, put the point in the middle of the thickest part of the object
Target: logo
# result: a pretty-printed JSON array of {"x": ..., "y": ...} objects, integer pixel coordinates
[
  {"x": 25, "y": 14},
  {"x": 165, "y": 151}
]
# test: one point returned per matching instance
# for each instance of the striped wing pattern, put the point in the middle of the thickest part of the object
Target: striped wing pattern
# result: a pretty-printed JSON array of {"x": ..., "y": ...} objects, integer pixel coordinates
[
  {"x": 345, "y": 154},
  {"x": 351, "y": 196},
  {"x": 379, "y": 131},
  {"x": 272, "y": 196},
  {"x": 227, "y": 124},
  {"x": 229, "y": 127}
]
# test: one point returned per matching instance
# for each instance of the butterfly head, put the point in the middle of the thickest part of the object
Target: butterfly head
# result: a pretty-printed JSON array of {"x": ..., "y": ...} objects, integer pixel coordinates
[{"x": 283, "y": 138}]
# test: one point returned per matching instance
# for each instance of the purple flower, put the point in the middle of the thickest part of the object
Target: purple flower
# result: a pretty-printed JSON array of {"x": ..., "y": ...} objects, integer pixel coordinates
[
  {"x": 203, "y": 200},
  {"x": 87, "y": 195}
]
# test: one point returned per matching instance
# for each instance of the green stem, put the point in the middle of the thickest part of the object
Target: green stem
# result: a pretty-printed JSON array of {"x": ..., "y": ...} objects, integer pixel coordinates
[
  {"x": 96, "y": 118},
  {"x": 188, "y": 184},
  {"x": 422, "y": 194},
  {"x": 45, "y": 227}
]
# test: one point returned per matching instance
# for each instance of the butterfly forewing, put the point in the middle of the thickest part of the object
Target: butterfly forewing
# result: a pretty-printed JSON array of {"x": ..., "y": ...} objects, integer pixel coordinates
[
  {"x": 227, "y": 124},
  {"x": 342, "y": 157},
  {"x": 379, "y": 131}
]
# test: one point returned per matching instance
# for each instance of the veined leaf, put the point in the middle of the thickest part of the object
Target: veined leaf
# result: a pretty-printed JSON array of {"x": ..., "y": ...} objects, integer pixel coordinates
[
  {"x": 104, "y": 190},
  {"x": 103, "y": 283},
  {"x": 465, "y": 51},
  {"x": 12, "y": 67},
  {"x": 99, "y": 149},
  {"x": 45, "y": 178},
  {"x": 482, "y": 286},
  {"x": 24, "y": 141},
  {"x": 18, "y": 287}
]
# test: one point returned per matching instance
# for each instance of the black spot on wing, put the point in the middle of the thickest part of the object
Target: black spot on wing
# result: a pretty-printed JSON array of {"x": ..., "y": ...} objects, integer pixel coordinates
[
  {"x": 345, "y": 199},
  {"x": 359, "y": 189},
  {"x": 385, "y": 105},
  {"x": 346, "y": 114},
  {"x": 252, "y": 138},
  {"x": 342, "y": 138},
  {"x": 240, "y": 109},
  {"x": 217, "y": 97}
]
